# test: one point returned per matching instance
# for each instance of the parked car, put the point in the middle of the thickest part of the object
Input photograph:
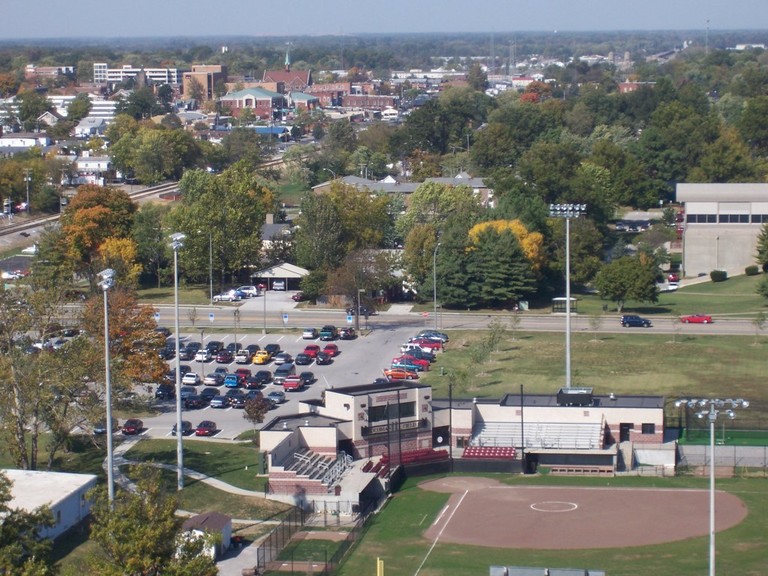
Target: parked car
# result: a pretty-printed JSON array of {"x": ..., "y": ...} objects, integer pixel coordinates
[
  {"x": 187, "y": 391},
  {"x": 213, "y": 379},
  {"x": 696, "y": 319},
  {"x": 429, "y": 343},
  {"x": 282, "y": 358},
  {"x": 101, "y": 427},
  {"x": 298, "y": 297},
  {"x": 263, "y": 376},
  {"x": 400, "y": 374},
  {"x": 347, "y": 334},
  {"x": 234, "y": 347},
  {"x": 231, "y": 296},
  {"x": 405, "y": 364},
  {"x": 206, "y": 428},
  {"x": 411, "y": 359},
  {"x": 253, "y": 395},
  {"x": 272, "y": 349},
  {"x": 186, "y": 428},
  {"x": 219, "y": 402},
  {"x": 232, "y": 381},
  {"x": 191, "y": 378},
  {"x": 252, "y": 349},
  {"x": 323, "y": 359},
  {"x": 209, "y": 394},
  {"x": 329, "y": 332},
  {"x": 331, "y": 349},
  {"x": 311, "y": 350},
  {"x": 283, "y": 371},
  {"x": 243, "y": 356},
  {"x": 132, "y": 427},
  {"x": 307, "y": 377},
  {"x": 194, "y": 402},
  {"x": 214, "y": 346},
  {"x": 163, "y": 330},
  {"x": 224, "y": 357},
  {"x": 302, "y": 359},
  {"x": 310, "y": 334},
  {"x": 261, "y": 357},
  {"x": 243, "y": 374},
  {"x": 165, "y": 392},
  {"x": 203, "y": 356},
  {"x": 417, "y": 352},
  {"x": 236, "y": 398},
  {"x": 249, "y": 291},
  {"x": 673, "y": 277},
  {"x": 293, "y": 383},
  {"x": 276, "y": 396},
  {"x": 433, "y": 334},
  {"x": 222, "y": 371},
  {"x": 634, "y": 321},
  {"x": 189, "y": 351}
]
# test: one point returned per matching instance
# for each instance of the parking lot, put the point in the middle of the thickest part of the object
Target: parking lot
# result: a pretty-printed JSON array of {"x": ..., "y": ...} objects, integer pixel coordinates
[{"x": 359, "y": 361}]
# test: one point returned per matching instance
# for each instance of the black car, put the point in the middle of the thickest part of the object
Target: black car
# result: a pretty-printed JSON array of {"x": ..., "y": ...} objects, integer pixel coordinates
[
  {"x": 323, "y": 358},
  {"x": 208, "y": 393},
  {"x": 163, "y": 330},
  {"x": 263, "y": 376},
  {"x": 633, "y": 321},
  {"x": 233, "y": 347},
  {"x": 236, "y": 398},
  {"x": 307, "y": 377},
  {"x": 253, "y": 348},
  {"x": 347, "y": 334},
  {"x": 214, "y": 346},
  {"x": 189, "y": 351},
  {"x": 303, "y": 359},
  {"x": 422, "y": 355},
  {"x": 165, "y": 392},
  {"x": 194, "y": 402},
  {"x": 186, "y": 428},
  {"x": 272, "y": 349}
]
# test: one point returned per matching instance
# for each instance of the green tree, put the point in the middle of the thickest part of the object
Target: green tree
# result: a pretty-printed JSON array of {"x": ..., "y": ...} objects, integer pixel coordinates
[
  {"x": 477, "y": 78},
  {"x": 31, "y": 106},
  {"x": 140, "y": 104},
  {"x": 138, "y": 534},
  {"x": 432, "y": 203},
  {"x": 628, "y": 278},
  {"x": 319, "y": 240},
  {"x": 79, "y": 108},
  {"x": 22, "y": 550},
  {"x": 150, "y": 238}
]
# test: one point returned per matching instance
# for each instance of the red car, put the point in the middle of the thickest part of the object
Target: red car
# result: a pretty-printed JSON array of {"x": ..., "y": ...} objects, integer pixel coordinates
[
  {"x": 413, "y": 360},
  {"x": 206, "y": 428},
  {"x": 427, "y": 343},
  {"x": 243, "y": 374},
  {"x": 312, "y": 350},
  {"x": 696, "y": 319},
  {"x": 133, "y": 426},
  {"x": 331, "y": 349}
]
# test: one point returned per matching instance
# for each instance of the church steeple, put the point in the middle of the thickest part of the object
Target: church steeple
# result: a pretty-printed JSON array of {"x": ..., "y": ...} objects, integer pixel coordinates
[{"x": 288, "y": 59}]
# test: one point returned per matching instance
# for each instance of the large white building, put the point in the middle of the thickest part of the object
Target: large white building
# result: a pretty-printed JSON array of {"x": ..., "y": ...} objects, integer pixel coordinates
[
  {"x": 722, "y": 224},
  {"x": 103, "y": 74}
]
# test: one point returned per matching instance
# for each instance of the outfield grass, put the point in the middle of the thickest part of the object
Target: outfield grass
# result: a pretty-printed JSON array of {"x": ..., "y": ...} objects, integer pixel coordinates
[
  {"x": 395, "y": 535},
  {"x": 625, "y": 363}
]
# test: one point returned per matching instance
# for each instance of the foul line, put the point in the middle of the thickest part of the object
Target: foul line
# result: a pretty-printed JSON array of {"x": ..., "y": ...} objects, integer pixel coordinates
[{"x": 448, "y": 521}]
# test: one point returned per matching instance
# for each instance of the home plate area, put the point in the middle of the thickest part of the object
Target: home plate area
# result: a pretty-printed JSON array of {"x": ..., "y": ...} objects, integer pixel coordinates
[{"x": 484, "y": 512}]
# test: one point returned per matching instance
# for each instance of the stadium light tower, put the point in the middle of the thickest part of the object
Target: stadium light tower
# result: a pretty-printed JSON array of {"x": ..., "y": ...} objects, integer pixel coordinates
[
  {"x": 567, "y": 212},
  {"x": 711, "y": 408}
]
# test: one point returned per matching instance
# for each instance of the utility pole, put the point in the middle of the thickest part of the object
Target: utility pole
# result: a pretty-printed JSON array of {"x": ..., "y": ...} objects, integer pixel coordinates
[{"x": 27, "y": 180}]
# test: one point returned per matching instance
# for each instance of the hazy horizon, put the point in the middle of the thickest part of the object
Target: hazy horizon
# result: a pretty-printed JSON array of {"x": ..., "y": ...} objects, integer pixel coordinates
[{"x": 95, "y": 19}]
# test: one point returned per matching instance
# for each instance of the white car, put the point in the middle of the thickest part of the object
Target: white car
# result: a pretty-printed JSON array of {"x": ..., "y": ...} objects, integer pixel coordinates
[
  {"x": 191, "y": 378},
  {"x": 230, "y": 296},
  {"x": 203, "y": 356},
  {"x": 249, "y": 291}
]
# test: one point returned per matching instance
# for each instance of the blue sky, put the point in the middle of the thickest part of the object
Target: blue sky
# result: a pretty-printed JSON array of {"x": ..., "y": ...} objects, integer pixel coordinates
[{"x": 134, "y": 18}]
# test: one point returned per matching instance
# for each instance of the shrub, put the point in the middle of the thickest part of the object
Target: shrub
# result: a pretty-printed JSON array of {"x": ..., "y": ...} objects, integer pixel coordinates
[
  {"x": 752, "y": 270},
  {"x": 718, "y": 275}
]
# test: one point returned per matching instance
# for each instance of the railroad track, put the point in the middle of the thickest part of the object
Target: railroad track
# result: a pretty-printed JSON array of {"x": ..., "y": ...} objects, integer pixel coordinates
[{"x": 37, "y": 221}]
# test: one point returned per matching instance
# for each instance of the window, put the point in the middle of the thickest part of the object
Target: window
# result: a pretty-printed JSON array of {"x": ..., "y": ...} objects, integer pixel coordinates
[
  {"x": 379, "y": 413},
  {"x": 649, "y": 428}
]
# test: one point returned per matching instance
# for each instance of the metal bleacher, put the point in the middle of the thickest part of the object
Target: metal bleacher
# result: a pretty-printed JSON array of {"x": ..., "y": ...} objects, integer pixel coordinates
[
  {"x": 540, "y": 435},
  {"x": 319, "y": 467}
]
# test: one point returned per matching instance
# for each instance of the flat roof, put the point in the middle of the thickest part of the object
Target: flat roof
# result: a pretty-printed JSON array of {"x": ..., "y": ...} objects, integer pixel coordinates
[
  {"x": 34, "y": 488},
  {"x": 550, "y": 400},
  {"x": 365, "y": 389},
  {"x": 298, "y": 420}
]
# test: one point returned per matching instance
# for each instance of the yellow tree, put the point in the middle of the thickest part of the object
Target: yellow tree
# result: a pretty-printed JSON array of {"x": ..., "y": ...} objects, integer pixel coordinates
[
  {"x": 120, "y": 254},
  {"x": 532, "y": 243}
]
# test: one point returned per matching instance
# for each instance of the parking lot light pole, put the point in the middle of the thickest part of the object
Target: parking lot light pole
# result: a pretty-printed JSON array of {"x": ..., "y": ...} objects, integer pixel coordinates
[
  {"x": 710, "y": 408},
  {"x": 108, "y": 281},
  {"x": 177, "y": 242},
  {"x": 434, "y": 281},
  {"x": 567, "y": 211}
]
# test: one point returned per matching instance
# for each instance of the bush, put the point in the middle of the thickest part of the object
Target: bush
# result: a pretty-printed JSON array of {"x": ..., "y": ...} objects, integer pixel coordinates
[
  {"x": 752, "y": 270},
  {"x": 718, "y": 275}
]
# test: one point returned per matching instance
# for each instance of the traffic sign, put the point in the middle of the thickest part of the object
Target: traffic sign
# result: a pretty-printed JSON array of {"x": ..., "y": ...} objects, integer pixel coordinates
[
  {"x": 157, "y": 316},
  {"x": 210, "y": 317},
  {"x": 349, "y": 318},
  {"x": 285, "y": 318}
]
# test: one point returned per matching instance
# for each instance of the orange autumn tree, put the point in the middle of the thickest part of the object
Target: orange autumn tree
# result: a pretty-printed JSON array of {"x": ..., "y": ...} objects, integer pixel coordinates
[
  {"x": 94, "y": 215},
  {"x": 532, "y": 243}
]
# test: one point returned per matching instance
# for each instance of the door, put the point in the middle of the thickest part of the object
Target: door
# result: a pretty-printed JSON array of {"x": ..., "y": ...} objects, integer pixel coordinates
[{"x": 624, "y": 430}]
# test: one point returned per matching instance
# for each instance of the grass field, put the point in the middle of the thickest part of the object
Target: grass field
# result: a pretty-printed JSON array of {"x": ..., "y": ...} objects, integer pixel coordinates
[{"x": 395, "y": 535}]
